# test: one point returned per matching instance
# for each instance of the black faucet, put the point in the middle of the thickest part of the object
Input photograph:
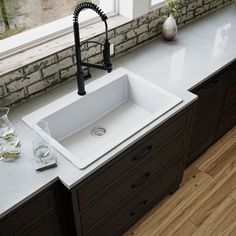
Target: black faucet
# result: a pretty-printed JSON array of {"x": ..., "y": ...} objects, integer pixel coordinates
[{"x": 106, "y": 51}]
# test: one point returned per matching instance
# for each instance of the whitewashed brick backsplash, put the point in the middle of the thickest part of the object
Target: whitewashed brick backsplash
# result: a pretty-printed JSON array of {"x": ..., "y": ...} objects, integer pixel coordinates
[{"x": 40, "y": 76}]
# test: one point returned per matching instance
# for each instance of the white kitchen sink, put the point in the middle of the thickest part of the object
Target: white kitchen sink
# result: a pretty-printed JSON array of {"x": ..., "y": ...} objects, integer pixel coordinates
[{"x": 116, "y": 106}]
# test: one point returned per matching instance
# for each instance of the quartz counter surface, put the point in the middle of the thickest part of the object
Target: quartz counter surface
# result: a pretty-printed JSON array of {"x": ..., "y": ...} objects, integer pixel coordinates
[{"x": 200, "y": 49}]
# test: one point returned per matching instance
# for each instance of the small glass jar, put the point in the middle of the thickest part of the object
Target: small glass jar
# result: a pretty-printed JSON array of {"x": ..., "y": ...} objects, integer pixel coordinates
[
  {"x": 10, "y": 146},
  {"x": 41, "y": 142}
]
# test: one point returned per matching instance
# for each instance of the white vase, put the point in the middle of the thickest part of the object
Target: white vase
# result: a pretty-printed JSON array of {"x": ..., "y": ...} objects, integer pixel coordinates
[{"x": 169, "y": 28}]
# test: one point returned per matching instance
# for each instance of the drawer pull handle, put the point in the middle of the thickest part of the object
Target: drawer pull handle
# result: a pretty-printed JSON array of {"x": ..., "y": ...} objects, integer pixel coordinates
[
  {"x": 146, "y": 151},
  {"x": 141, "y": 180},
  {"x": 138, "y": 208}
]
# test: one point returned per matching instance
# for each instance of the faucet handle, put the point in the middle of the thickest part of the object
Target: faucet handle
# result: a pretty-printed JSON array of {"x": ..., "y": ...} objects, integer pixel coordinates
[{"x": 106, "y": 56}]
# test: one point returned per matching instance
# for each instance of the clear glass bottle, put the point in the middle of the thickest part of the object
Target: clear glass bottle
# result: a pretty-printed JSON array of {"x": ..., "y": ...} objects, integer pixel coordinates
[{"x": 10, "y": 146}]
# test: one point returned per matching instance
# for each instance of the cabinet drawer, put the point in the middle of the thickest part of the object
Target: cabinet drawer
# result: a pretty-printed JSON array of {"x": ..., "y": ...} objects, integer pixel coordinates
[
  {"x": 49, "y": 225},
  {"x": 134, "y": 183},
  {"x": 136, "y": 207},
  {"x": 99, "y": 183},
  {"x": 35, "y": 208}
]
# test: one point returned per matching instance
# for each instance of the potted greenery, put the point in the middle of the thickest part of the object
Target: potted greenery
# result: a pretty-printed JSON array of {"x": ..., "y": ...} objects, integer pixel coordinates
[{"x": 169, "y": 28}]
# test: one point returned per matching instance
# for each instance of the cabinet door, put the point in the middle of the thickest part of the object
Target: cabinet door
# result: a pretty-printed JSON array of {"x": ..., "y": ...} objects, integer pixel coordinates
[
  {"x": 230, "y": 91},
  {"x": 206, "y": 118},
  {"x": 228, "y": 116},
  {"x": 40, "y": 214},
  {"x": 49, "y": 226},
  {"x": 30, "y": 212}
]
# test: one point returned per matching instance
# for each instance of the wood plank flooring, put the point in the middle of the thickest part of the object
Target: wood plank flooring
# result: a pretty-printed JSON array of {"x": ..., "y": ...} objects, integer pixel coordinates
[{"x": 205, "y": 204}]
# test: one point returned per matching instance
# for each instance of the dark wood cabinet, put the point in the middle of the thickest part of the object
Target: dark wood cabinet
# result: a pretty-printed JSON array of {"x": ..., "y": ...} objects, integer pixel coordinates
[
  {"x": 132, "y": 184},
  {"x": 49, "y": 225},
  {"x": 48, "y": 213},
  {"x": 228, "y": 114},
  {"x": 206, "y": 117},
  {"x": 215, "y": 111},
  {"x": 115, "y": 196},
  {"x": 96, "y": 185},
  {"x": 139, "y": 204}
]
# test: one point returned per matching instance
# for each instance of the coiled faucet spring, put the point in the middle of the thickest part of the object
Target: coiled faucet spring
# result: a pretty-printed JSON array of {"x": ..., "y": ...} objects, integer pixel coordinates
[
  {"x": 88, "y": 5},
  {"x": 106, "y": 51}
]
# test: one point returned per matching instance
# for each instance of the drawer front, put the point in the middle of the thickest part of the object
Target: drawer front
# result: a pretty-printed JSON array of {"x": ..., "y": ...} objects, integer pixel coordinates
[
  {"x": 136, "y": 207},
  {"x": 99, "y": 183},
  {"x": 97, "y": 213},
  {"x": 49, "y": 225},
  {"x": 35, "y": 208}
]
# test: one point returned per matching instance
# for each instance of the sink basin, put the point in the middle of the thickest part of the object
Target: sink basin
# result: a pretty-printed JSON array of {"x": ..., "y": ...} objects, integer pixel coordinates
[{"x": 116, "y": 106}]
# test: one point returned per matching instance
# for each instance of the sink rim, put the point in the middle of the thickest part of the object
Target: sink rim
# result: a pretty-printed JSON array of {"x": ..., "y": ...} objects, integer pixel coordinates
[{"x": 39, "y": 114}]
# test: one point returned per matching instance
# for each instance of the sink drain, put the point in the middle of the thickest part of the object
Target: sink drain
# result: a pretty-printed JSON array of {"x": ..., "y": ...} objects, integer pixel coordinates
[{"x": 98, "y": 131}]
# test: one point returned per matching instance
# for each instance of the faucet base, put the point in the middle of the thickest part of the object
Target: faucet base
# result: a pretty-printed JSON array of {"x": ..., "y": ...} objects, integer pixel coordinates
[{"x": 81, "y": 93}]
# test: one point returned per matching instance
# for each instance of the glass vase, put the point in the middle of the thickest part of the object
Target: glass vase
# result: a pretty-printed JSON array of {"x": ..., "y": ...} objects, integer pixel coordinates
[{"x": 10, "y": 146}]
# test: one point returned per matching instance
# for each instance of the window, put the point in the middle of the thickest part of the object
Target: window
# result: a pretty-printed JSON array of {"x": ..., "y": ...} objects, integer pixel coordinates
[
  {"x": 40, "y": 21},
  {"x": 19, "y": 15},
  {"x": 155, "y": 3},
  {"x": 27, "y": 23}
]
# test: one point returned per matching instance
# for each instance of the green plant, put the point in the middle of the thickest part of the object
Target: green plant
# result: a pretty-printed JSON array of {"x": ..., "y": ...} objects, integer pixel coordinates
[
  {"x": 172, "y": 6},
  {"x": 4, "y": 14}
]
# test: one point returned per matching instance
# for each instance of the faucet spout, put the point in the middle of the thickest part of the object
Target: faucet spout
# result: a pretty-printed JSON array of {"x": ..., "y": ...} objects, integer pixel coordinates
[{"x": 106, "y": 51}]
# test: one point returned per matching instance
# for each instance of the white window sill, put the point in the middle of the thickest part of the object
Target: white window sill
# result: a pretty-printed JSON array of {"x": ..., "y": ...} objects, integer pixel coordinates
[
  {"x": 41, "y": 51},
  {"x": 158, "y": 5}
]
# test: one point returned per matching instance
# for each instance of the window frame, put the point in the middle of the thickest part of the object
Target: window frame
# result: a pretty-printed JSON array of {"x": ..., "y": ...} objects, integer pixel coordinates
[
  {"x": 136, "y": 8},
  {"x": 47, "y": 32},
  {"x": 159, "y": 4}
]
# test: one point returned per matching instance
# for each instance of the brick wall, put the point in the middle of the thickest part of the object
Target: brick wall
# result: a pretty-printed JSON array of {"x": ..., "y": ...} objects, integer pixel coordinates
[{"x": 40, "y": 76}]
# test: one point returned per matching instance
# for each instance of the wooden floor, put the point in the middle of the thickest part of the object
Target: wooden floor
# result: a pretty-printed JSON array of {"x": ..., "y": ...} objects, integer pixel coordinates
[{"x": 205, "y": 204}]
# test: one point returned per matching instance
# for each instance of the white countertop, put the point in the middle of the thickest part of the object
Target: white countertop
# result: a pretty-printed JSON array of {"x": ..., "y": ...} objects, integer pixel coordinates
[{"x": 201, "y": 48}]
